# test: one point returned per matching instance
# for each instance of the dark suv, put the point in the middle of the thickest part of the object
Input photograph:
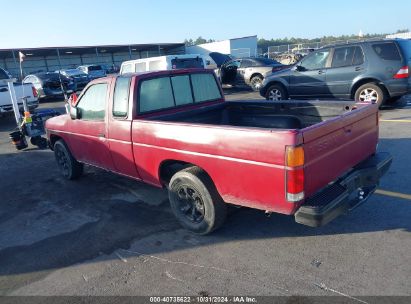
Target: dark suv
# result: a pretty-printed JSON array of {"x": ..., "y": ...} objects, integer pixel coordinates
[{"x": 367, "y": 71}]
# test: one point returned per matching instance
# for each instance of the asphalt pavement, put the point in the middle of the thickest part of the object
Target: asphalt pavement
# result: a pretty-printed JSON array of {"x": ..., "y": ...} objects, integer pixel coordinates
[{"x": 108, "y": 235}]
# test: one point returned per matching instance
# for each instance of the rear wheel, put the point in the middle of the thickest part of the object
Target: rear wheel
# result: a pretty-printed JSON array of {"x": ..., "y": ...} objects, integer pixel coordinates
[
  {"x": 256, "y": 82},
  {"x": 195, "y": 201},
  {"x": 370, "y": 93},
  {"x": 276, "y": 92},
  {"x": 69, "y": 167}
]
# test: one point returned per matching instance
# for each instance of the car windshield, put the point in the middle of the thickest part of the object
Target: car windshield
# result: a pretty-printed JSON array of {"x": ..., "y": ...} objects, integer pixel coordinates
[
  {"x": 50, "y": 76},
  {"x": 73, "y": 72},
  {"x": 94, "y": 68}
]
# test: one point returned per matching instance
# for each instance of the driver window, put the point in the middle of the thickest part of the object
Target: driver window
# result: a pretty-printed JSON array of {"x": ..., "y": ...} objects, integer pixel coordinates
[
  {"x": 316, "y": 60},
  {"x": 92, "y": 104}
]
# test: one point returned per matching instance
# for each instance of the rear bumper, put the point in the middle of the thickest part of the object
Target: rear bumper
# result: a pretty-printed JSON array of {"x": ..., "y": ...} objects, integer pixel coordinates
[
  {"x": 9, "y": 108},
  {"x": 346, "y": 193}
]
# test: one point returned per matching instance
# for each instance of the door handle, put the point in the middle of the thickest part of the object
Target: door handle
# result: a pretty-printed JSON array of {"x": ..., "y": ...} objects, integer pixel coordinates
[
  {"x": 3, "y": 90},
  {"x": 320, "y": 72},
  {"x": 102, "y": 135},
  {"x": 358, "y": 69}
]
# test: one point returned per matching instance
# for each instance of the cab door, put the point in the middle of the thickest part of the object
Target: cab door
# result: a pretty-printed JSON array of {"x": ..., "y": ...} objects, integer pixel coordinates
[
  {"x": 119, "y": 128},
  {"x": 88, "y": 138}
]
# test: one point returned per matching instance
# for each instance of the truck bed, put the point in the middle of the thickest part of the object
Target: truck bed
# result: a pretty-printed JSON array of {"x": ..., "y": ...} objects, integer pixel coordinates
[
  {"x": 248, "y": 139},
  {"x": 267, "y": 115}
]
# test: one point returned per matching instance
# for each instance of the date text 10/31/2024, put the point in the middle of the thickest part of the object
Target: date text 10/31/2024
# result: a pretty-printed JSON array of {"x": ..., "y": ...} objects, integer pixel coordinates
[{"x": 202, "y": 299}]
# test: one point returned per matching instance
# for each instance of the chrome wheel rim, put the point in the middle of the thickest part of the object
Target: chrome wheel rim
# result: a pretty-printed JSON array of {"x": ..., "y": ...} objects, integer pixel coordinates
[
  {"x": 190, "y": 204},
  {"x": 275, "y": 95},
  {"x": 368, "y": 95}
]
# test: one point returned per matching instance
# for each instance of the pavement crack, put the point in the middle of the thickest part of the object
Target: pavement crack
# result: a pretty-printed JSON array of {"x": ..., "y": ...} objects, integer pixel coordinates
[
  {"x": 280, "y": 289},
  {"x": 326, "y": 288}
]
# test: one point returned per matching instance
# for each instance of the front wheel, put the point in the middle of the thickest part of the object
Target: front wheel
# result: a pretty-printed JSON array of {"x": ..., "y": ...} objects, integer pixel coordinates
[
  {"x": 276, "y": 92},
  {"x": 370, "y": 93},
  {"x": 69, "y": 167},
  {"x": 195, "y": 201}
]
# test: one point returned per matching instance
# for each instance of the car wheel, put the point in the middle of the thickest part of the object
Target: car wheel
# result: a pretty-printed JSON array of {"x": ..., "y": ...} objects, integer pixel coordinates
[
  {"x": 69, "y": 167},
  {"x": 276, "y": 92},
  {"x": 195, "y": 201},
  {"x": 370, "y": 93},
  {"x": 256, "y": 83}
]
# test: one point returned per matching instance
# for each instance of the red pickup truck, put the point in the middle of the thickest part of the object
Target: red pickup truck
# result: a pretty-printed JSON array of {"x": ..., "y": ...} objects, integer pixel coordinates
[{"x": 313, "y": 160}]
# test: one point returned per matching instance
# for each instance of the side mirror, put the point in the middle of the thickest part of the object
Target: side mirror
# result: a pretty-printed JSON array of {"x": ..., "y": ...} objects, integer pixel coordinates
[
  {"x": 74, "y": 112},
  {"x": 298, "y": 68}
]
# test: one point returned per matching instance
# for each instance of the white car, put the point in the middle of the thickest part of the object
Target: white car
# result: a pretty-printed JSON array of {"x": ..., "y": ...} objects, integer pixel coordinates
[
  {"x": 22, "y": 90},
  {"x": 168, "y": 62},
  {"x": 93, "y": 70}
]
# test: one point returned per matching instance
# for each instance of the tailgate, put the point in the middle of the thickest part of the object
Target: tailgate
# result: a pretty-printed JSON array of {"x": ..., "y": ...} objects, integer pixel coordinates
[{"x": 335, "y": 146}]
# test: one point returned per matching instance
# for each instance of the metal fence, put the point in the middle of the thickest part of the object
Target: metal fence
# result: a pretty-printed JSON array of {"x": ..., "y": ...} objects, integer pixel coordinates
[{"x": 292, "y": 48}]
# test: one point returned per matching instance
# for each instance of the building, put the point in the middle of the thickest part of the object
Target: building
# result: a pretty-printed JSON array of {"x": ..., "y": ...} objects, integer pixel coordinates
[
  {"x": 400, "y": 35},
  {"x": 238, "y": 47},
  {"x": 55, "y": 58}
]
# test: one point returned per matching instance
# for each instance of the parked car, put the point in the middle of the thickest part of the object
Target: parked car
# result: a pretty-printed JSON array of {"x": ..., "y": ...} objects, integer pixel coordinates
[
  {"x": 168, "y": 62},
  {"x": 367, "y": 71},
  {"x": 21, "y": 90},
  {"x": 79, "y": 78},
  {"x": 110, "y": 69},
  {"x": 245, "y": 71},
  {"x": 50, "y": 84},
  {"x": 93, "y": 70},
  {"x": 174, "y": 129}
]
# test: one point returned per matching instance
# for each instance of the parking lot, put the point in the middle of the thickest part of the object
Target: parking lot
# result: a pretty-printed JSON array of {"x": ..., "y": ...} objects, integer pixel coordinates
[{"x": 108, "y": 235}]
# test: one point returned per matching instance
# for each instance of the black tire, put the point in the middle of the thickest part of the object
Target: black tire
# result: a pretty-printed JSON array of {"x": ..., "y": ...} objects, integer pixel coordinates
[
  {"x": 372, "y": 93},
  {"x": 195, "y": 201},
  {"x": 69, "y": 167},
  {"x": 255, "y": 83},
  {"x": 276, "y": 92},
  {"x": 39, "y": 141}
]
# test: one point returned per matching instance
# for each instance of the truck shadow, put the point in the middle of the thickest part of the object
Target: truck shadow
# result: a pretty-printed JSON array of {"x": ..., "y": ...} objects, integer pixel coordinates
[{"x": 41, "y": 229}]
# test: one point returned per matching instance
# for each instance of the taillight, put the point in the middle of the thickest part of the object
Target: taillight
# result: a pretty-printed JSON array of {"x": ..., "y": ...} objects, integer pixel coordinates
[
  {"x": 294, "y": 160},
  {"x": 402, "y": 73},
  {"x": 33, "y": 89}
]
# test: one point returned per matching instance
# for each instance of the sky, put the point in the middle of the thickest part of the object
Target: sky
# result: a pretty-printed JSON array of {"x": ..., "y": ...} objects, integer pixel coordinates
[{"x": 27, "y": 23}]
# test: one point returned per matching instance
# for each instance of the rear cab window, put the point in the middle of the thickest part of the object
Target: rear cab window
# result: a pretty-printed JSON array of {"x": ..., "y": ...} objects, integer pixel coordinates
[
  {"x": 387, "y": 51},
  {"x": 187, "y": 63},
  {"x": 168, "y": 92}
]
